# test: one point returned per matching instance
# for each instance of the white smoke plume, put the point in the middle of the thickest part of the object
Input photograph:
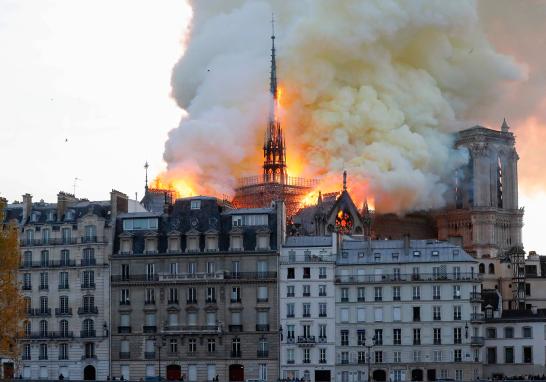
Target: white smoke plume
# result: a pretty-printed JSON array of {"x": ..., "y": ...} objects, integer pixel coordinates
[{"x": 376, "y": 87}]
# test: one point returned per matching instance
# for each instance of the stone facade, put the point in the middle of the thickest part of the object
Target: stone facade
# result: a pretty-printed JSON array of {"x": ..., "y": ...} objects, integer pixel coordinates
[
  {"x": 307, "y": 308},
  {"x": 194, "y": 292},
  {"x": 65, "y": 277}
]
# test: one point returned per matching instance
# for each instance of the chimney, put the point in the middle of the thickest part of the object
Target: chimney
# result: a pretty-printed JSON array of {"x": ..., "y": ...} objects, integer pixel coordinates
[
  {"x": 407, "y": 243},
  {"x": 119, "y": 203},
  {"x": 27, "y": 207}
]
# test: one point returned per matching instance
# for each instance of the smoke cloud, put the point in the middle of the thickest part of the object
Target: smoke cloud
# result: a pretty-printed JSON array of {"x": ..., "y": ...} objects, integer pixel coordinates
[{"x": 373, "y": 87}]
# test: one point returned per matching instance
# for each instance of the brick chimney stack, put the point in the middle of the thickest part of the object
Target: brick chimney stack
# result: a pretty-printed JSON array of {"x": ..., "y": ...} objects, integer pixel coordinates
[{"x": 27, "y": 207}]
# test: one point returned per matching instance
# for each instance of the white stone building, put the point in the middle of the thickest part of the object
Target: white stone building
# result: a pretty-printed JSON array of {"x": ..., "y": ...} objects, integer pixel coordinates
[
  {"x": 408, "y": 310},
  {"x": 306, "y": 307}
]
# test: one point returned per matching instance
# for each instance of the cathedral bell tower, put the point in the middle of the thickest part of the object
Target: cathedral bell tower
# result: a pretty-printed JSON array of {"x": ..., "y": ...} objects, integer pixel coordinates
[{"x": 274, "y": 168}]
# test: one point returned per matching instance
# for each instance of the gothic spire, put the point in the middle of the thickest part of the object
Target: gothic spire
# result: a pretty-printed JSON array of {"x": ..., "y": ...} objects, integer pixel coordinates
[
  {"x": 146, "y": 169},
  {"x": 273, "y": 73}
]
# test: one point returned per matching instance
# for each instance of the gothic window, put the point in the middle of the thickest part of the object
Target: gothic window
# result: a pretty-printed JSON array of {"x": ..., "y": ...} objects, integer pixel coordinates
[{"x": 344, "y": 222}]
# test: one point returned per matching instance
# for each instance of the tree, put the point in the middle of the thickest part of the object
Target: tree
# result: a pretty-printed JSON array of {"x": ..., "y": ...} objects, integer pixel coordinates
[{"x": 12, "y": 311}]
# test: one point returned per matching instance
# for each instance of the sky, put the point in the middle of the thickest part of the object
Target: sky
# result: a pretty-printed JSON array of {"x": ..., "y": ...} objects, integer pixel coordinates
[{"x": 85, "y": 90}]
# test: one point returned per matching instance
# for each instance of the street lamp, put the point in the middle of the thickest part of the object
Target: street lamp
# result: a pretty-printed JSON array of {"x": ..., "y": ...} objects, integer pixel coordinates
[
  {"x": 369, "y": 347},
  {"x": 159, "y": 343}
]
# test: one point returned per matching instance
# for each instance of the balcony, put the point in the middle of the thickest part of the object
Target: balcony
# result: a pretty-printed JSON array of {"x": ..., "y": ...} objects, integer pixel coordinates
[
  {"x": 48, "y": 335},
  {"x": 192, "y": 329},
  {"x": 262, "y": 300},
  {"x": 191, "y": 301},
  {"x": 235, "y": 354},
  {"x": 262, "y": 327},
  {"x": 211, "y": 300},
  {"x": 477, "y": 341},
  {"x": 344, "y": 299},
  {"x": 475, "y": 297},
  {"x": 88, "y": 333},
  {"x": 250, "y": 275},
  {"x": 44, "y": 287},
  {"x": 49, "y": 264},
  {"x": 27, "y": 287},
  {"x": 149, "y": 329},
  {"x": 124, "y": 329},
  {"x": 89, "y": 239},
  {"x": 173, "y": 302},
  {"x": 86, "y": 310},
  {"x": 149, "y": 355},
  {"x": 290, "y": 361},
  {"x": 50, "y": 241},
  {"x": 88, "y": 262},
  {"x": 46, "y": 312},
  {"x": 306, "y": 341},
  {"x": 63, "y": 312},
  {"x": 88, "y": 286},
  {"x": 424, "y": 277},
  {"x": 124, "y": 355},
  {"x": 235, "y": 328},
  {"x": 235, "y": 300},
  {"x": 134, "y": 278},
  {"x": 322, "y": 314},
  {"x": 64, "y": 287},
  {"x": 262, "y": 354},
  {"x": 477, "y": 317},
  {"x": 191, "y": 277}
]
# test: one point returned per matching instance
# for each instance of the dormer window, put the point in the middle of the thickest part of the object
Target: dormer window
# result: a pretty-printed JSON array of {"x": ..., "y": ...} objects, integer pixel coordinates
[
  {"x": 195, "y": 204},
  {"x": 174, "y": 242},
  {"x": 50, "y": 216},
  {"x": 70, "y": 215},
  {"x": 435, "y": 253},
  {"x": 211, "y": 241},
  {"x": 236, "y": 240},
  {"x": 416, "y": 253},
  {"x": 150, "y": 244},
  {"x": 34, "y": 217},
  {"x": 237, "y": 221},
  {"x": 192, "y": 241},
  {"x": 263, "y": 239},
  {"x": 126, "y": 243},
  {"x": 377, "y": 257}
]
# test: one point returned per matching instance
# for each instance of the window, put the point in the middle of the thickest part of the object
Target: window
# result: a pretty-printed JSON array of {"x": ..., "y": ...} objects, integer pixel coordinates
[
  {"x": 396, "y": 293},
  {"x": 290, "y": 291},
  {"x": 124, "y": 298},
  {"x": 491, "y": 332},
  {"x": 322, "y": 355},
  {"x": 262, "y": 371},
  {"x": 491, "y": 269},
  {"x": 306, "y": 310},
  {"x": 192, "y": 296},
  {"x": 457, "y": 312},
  {"x": 139, "y": 224},
  {"x": 456, "y": 273},
  {"x": 457, "y": 335},
  {"x": 322, "y": 331},
  {"x": 192, "y": 345},
  {"x": 63, "y": 351},
  {"x": 457, "y": 355},
  {"x": 173, "y": 296},
  {"x": 417, "y": 336},
  {"x": 263, "y": 294},
  {"x": 44, "y": 280},
  {"x": 235, "y": 294},
  {"x": 306, "y": 273},
  {"x": 89, "y": 350},
  {"x": 290, "y": 356},
  {"x": 27, "y": 285},
  {"x": 417, "y": 356},
  {"x": 492, "y": 355},
  {"x": 436, "y": 313},
  {"x": 361, "y": 337},
  {"x": 437, "y": 356},
  {"x": 211, "y": 267},
  {"x": 396, "y": 273},
  {"x": 211, "y": 345},
  {"x": 290, "y": 331},
  {"x": 437, "y": 336},
  {"x": 290, "y": 274},
  {"x": 44, "y": 258},
  {"x": 436, "y": 292},
  {"x": 397, "y": 336},
  {"x": 416, "y": 293},
  {"x": 290, "y": 310},
  {"x": 43, "y": 328},
  {"x": 43, "y": 352},
  {"x": 63, "y": 280},
  {"x": 509, "y": 332},
  {"x": 44, "y": 308},
  {"x": 396, "y": 313},
  {"x": 195, "y": 204},
  {"x": 236, "y": 347},
  {"x": 509, "y": 354},
  {"x": 361, "y": 294},
  {"x": 306, "y": 355},
  {"x": 527, "y": 332},
  {"x": 378, "y": 356},
  {"x": 27, "y": 258},
  {"x": 416, "y": 313},
  {"x": 456, "y": 292},
  {"x": 211, "y": 295},
  {"x": 322, "y": 309},
  {"x": 306, "y": 291},
  {"x": 415, "y": 273},
  {"x": 458, "y": 374},
  {"x": 322, "y": 291},
  {"x": 527, "y": 354},
  {"x": 378, "y": 293},
  {"x": 125, "y": 271},
  {"x": 150, "y": 296},
  {"x": 397, "y": 357},
  {"x": 361, "y": 314},
  {"x": 344, "y": 315},
  {"x": 378, "y": 335},
  {"x": 322, "y": 272},
  {"x": 344, "y": 294},
  {"x": 344, "y": 338}
]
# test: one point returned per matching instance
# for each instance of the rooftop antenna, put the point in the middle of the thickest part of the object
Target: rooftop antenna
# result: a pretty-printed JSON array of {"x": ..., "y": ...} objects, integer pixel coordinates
[
  {"x": 146, "y": 165},
  {"x": 76, "y": 180}
]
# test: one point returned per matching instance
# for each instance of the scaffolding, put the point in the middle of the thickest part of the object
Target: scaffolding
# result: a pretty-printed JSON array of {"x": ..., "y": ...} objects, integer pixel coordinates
[{"x": 254, "y": 192}]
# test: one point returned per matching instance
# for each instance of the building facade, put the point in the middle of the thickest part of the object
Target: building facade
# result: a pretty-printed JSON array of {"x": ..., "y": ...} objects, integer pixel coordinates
[
  {"x": 406, "y": 310},
  {"x": 307, "y": 308},
  {"x": 194, "y": 292},
  {"x": 65, "y": 278}
]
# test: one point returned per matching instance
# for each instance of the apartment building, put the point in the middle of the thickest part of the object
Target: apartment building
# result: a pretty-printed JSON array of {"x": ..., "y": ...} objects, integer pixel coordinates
[
  {"x": 194, "y": 292},
  {"x": 307, "y": 308},
  {"x": 65, "y": 278},
  {"x": 406, "y": 310}
]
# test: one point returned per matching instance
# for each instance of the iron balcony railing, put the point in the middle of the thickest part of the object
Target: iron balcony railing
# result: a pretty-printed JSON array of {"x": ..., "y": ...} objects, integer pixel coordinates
[
  {"x": 149, "y": 355},
  {"x": 262, "y": 353},
  {"x": 477, "y": 317},
  {"x": 63, "y": 312},
  {"x": 475, "y": 296},
  {"x": 88, "y": 285},
  {"x": 88, "y": 310},
  {"x": 89, "y": 239},
  {"x": 48, "y": 264},
  {"x": 306, "y": 340},
  {"x": 47, "y": 242},
  {"x": 308, "y": 259},
  {"x": 49, "y": 335},
  {"x": 88, "y": 333},
  {"x": 262, "y": 327},
  {"x": 236, "y": 354},
  {"x": 39, "y": 312},
  {"x": 192, "y": 277},
  {"x": 124, "y": 329},
  {"x": 149, "y": 329},
  {"x": 406, "y": 277},
  {"x": 183, "y": 329},
  {"x": 124, "y": 355},
  {"x": 235, "y": 328},
  {"x": 88, "y": 262},
  {"x": 477, "y": 341}
]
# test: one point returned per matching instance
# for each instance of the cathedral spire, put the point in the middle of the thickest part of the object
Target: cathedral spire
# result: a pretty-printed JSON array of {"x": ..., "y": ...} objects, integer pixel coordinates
[
  {"x": 146, "y": 169},
  {"x": 274, "y": 143}
]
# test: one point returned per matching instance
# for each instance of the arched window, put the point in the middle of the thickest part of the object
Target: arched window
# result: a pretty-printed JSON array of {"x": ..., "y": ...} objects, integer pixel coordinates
[
  {"x": 482, "y": 268},
  {"x": 63, "y": 328},
  {"x": 44, "y": 258},
  {"x": 491, "y": 269},
  {"x": 88, "y": 325},
  {"x": 43, "y": 328}
]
